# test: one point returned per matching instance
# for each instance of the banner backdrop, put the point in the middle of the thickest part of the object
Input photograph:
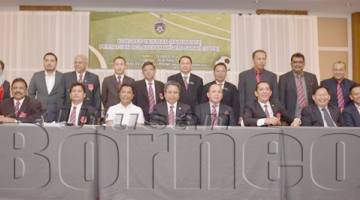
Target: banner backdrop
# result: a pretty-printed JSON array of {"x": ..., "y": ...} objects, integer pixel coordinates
[{"x": 159, "y": 37}]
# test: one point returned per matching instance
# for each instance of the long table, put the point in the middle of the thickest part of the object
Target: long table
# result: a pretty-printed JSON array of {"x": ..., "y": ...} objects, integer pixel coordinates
[{"x": 192, "y": 163}]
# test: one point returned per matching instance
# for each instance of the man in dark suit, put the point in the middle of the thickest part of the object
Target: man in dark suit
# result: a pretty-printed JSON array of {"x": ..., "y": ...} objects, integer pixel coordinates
[
  {"x": 19, "y": 108},
  {"x": 111, "y": 84},
  {"x": 4, "y": 84},
  {"x": 213, "y": 112},
  {"x": 297, "y": 86},
  {"x": 148, "y": 92},
  {"x": 191, "y": 85},
  {"x": 78, "y": 113},
  {"x": 339, "y": 86},
  {"x": 351, "y": 113},
  {"x": 90, "y": 80},
  {"x": 172, "y": 112},
  {"x": 230, "y": 92},
  {"x": 321, "y": 113},
  {"x": 48, "y": 87},
  {"x": 266, "y": 112},
  {"x": 249, "y": 78}
]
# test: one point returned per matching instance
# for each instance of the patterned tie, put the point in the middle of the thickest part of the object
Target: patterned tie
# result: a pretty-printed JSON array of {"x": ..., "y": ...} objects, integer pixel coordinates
[
  {"x": 258, "y": 77},
  {"x": 300, "y": 92},
  {"x": 72, "y": 118},
  {"x": 340, "y": 96},
  {"x": 327, "y": 118},
  {"x": 17, "y": 107},
  {"x": 151, "y": 97},
  {"x": 171, "y": 118},
  {"x": 213, "y": 115},
  {"x": 266, "y": 111},
  {"x": 118, "y": 80},
  {"x": 80, "y": 78},
  {"x": 186, "y": 82}
]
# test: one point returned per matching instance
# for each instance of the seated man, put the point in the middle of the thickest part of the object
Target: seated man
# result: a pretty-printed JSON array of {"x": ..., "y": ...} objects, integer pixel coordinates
[
  {"x": 351, "y": 113},
  {"x": 322, "y": 113},
  {"x": 266, "y": 112},
  {"x": 79, "y": 113},
  {"x": 171, "y": 111},
  {"x": 213, "y": 112},
  {"x": 125, "y": 112},
  {"x": 19, "y": 108}
]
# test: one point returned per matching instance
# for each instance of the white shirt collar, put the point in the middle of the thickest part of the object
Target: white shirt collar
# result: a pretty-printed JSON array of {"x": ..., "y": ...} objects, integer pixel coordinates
[
  {"x": 126, "y": 107},
  {"x": 50, "y": 73},
  {"x": 168, "y": 105},
  {"x": 263, "y": 104},
  {"x": 21, "y": 101},
  {"x": 187, "y": 75},
  {"x": 78, "y": 74}
]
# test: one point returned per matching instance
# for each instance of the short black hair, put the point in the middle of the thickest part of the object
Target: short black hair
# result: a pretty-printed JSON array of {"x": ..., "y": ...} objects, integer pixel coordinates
[
  {"x": 258, "y": 51},
  {"x": 214, "y": 83},
  {"x": 126, "y": 85},
  {"x": 320, "y": 87},
  {"x": 297, "y": 55},
  {"x": 260, "y": 82},
  {"x": 356, "y": 85},
  {"x": 220, "y": 64},
  {"x": 119, "y": 57},
  {"x": 50, "y": 54},
  {"x": 148, "y": 63},
  {"x": 77, "y": 84},
  {"x": 2, "y": 64},
  {"x": 174, "y": 83},
  {"x": 188, "y": 57},
  {"x": 19, "y": 80}
]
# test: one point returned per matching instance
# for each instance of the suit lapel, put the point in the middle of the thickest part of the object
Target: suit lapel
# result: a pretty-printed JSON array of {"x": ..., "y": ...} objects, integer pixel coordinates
[
  {"x": 292, "y": 83},
  {"x": 259, "y": 110},
  {"x": 23, "y": 106},
  {"x": 82, "y": 118},
  {"x": 356, "y": 113},
  {"x": 145, "y": 93},
  {"x": 157, "y": 91},
  {"x": 43, "y": 81},
  {"x": 318, "y": 115}
]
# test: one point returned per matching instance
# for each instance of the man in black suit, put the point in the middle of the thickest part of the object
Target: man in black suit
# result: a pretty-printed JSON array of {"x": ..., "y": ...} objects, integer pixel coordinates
[
  {"x": 297, "y": 86},
  {"x": 321, "y": 113},
  {"x": 351, "y": 113},
  {"x": 4, "y": 84},
  {"x": 78, "y": 113},
  {"x": 249, "y": 78},
  {"x": 172, "y": 112},
  {"x": 48, "y": 87},
  {"x": 230, "y": 92},
  {"x": 90, "y": 81},
  {"x": 111, "y": 84},
  {"x": 213, "y": 112},
  {"x": 338, "y": 86},
  {"x": 266, "y": 112},
  {"x": 20, "y": 108},
  {"x": 148, "y": 92},
  {"x": 191, "y": 85}
]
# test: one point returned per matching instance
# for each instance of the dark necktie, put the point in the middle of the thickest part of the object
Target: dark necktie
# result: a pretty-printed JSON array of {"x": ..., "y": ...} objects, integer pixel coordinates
[{"x": 327, "y": 118}]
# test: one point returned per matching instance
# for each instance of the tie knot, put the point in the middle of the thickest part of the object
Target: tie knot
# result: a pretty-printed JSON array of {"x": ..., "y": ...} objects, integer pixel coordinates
[
  {"x": 74, "y": 107},
  {"x": 150, "y": 83},
  {"x": 171, "y": 107},
  {"x": 17, "y": 102},
  {"x": 185, "y": 77},
  {"x": 213, "y": 106},
  {"x": 323, "y": 109}
]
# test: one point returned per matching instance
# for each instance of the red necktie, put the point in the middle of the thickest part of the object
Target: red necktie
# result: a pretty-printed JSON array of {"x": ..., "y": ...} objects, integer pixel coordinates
[
  {"x": 171, "y": 117},
  {"x": 186, "y": 81},
  {"x": 72, "y": 118},
  {"x": 258, "y": 77},
  {"x": 151, "y": 97},
  {"x": 80, "y": 78},
  {"x": 17, "y": 108},
  {"x": 339, "y": 95},
  {"x": 300, "y": 92},
  {"x": 118, "y": 79},
  {"x": 213, "y": 115}
]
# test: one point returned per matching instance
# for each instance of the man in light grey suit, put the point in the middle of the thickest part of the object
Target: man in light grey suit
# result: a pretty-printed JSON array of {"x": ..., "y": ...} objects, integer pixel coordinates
[
  {"x": 48, "y": 87},
  {"x": 297, "y": 86},
  {"x": 249, "y": 78}
]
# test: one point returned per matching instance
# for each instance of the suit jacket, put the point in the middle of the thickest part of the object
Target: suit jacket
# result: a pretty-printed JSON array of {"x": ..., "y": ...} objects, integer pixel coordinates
[
  {"x": 87, "y": 115},
  {"x": 247, "y": 86},
  {"x": 160, "y": 114},
  {"x": 254, "y": 112},
  {"x": 230, "y": 96},
  {"x": 51, "y": 101},
  {"x": 92, "y": 87},
  {"x": 311, "y": 116},
  {"x": 287, "y": 90},
  {"x": 191, "y": 96},
  {"x": 331, "y": 84},
  {"x": 141, "y": 96},
  {"x": 225, "y": 116},
  {"x": 29, "y": 111},
  {"x": 109, "y": 93},
  {"x": 351, "y": 116}
]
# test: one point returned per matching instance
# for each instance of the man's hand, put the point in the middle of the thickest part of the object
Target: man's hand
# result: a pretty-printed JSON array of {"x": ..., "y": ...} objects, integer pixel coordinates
[
  {"x": 274, "y": 121},
  {"x": 296, "y": 122},
  {"x": 7, "y": 119}
]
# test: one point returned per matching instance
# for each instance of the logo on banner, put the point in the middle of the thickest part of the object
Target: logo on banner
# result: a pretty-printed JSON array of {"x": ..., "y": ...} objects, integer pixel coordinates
[{"x": 160, "y": 26}]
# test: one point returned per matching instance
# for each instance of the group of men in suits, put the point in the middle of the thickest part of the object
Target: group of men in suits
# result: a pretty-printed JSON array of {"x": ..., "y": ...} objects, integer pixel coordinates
[{"x": 259, "y": 99}]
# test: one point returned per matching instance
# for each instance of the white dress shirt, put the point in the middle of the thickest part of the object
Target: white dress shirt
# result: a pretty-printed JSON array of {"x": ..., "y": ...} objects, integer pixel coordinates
[
  {"x": 174, "y": 109},
  {"x": 50, "y": 81},
  {"x": 125, "y": 115},
  {"x": 261, "y": 122},
  {"x": 78, "y": 108},
  {"x": 119, "y": 76},
  {"x": 216, "y": 108},
  {"x": 21, "y": 102},
  {"x": 186, "y": 75},
  {"x": 78, "y": 76}
]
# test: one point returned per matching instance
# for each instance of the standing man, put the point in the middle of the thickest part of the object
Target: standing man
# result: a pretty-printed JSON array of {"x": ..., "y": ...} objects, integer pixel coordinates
[
  {"x": 111, "y": 84},
  {"x": 48, "y": 87},
  {"x": 321, "y": 113},
  {"x": 249, "y": 78},
  {"x": 297, "y": 86},
  {"x": 20, "y": 107},
  {"x": 90, "y": 81},
  {"x": 230, "y": 92},
  {"x": 351, "y": 113},
  {"x": 213, "y": 112},
  {"x": 191, "y": 85},
  {"x": 148, "y": 91},
  {"x": 339, "y": 86}
]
